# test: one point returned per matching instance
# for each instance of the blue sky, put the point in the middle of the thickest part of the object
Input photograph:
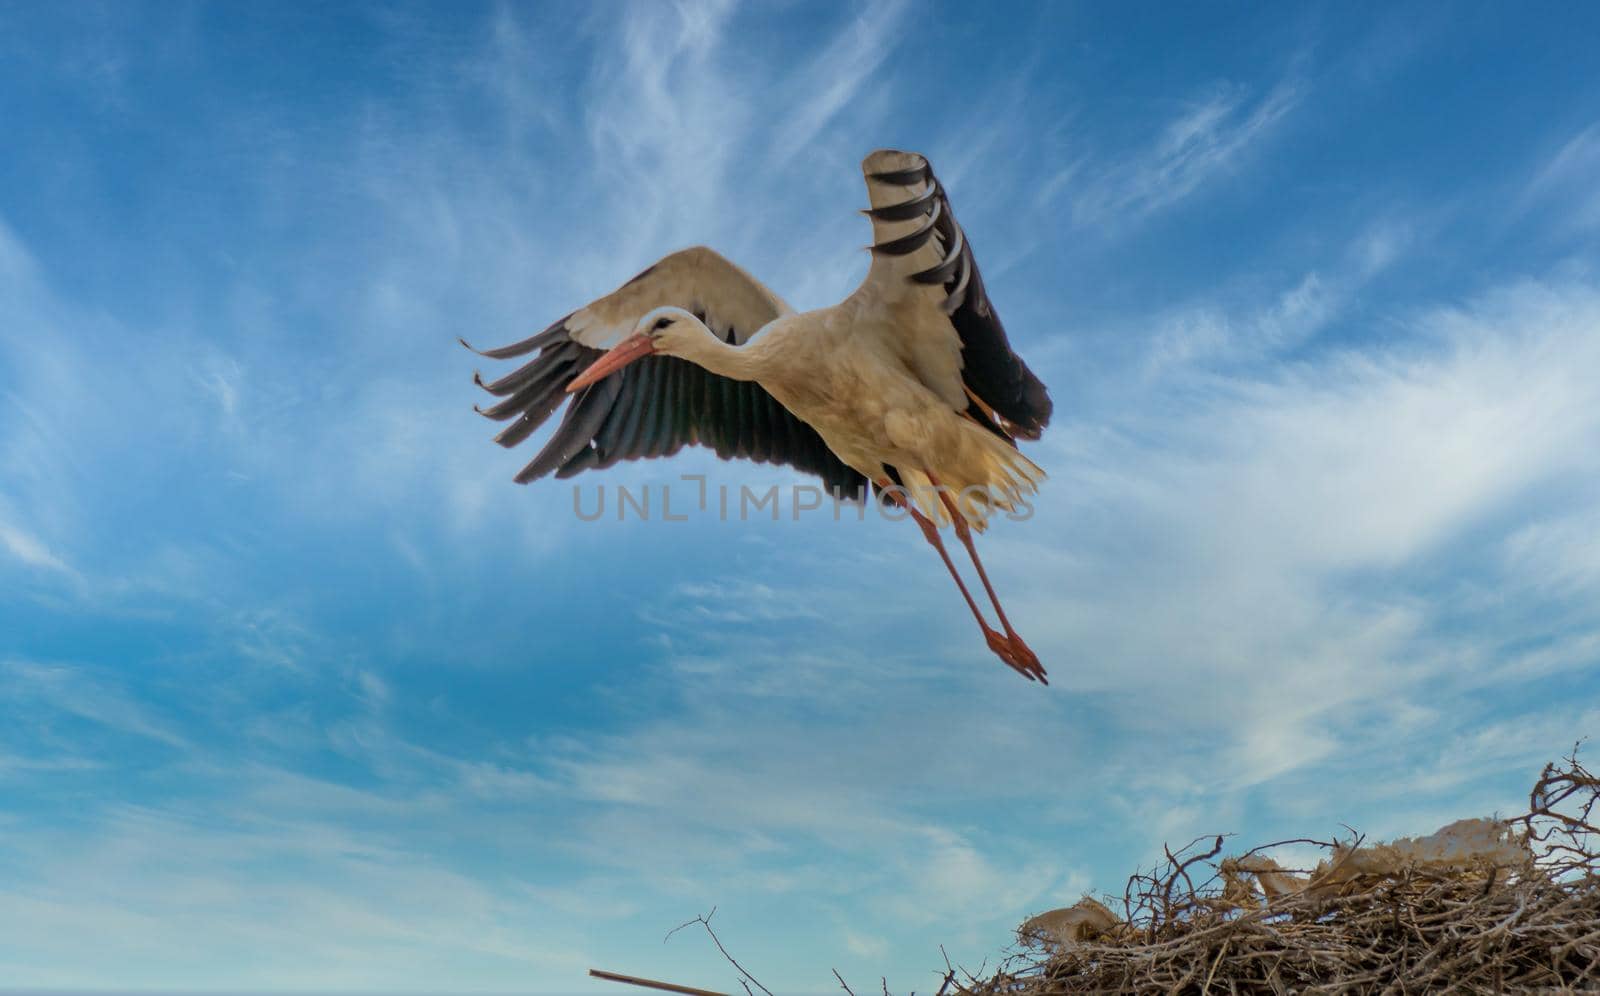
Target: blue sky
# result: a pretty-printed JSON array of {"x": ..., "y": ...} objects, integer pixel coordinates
[{"x": 298, "y": 691}]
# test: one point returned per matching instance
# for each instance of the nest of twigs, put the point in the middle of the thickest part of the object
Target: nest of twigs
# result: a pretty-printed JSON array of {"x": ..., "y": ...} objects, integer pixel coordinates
[{"x": 1515, "y": 910}]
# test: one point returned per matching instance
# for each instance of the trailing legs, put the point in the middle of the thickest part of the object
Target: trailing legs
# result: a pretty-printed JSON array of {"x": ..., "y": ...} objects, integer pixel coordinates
[{"x": 1007, "y": 646}]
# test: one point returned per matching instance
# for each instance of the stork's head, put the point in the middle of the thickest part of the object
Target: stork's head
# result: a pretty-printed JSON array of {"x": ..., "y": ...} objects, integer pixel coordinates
[{"x": 668, "y": 331}]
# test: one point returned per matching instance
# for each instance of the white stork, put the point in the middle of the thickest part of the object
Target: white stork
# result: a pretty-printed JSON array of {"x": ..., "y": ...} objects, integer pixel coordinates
[{"x": 908, "y": 384}]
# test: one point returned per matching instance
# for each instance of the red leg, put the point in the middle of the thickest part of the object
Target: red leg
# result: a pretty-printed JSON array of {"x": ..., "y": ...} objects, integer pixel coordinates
[
  {"x": 1002, "y": 645},
  {"x": 1024, "y": 656}
]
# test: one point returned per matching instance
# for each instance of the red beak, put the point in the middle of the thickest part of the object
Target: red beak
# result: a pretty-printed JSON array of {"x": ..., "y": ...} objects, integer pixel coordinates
[{"x": 624, "y": 353}]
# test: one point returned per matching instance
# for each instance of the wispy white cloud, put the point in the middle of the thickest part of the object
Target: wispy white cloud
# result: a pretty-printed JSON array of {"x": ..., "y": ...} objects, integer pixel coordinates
[
  {"x": 73, "y": 692},
  {"x": 670, "y": 107},
  {"x": 1370, "y": 456},
  {"x": 1560, "y": 552},
  {"x": 221, "y": 378},
  {"x": 31, "y": 551},
  {"x": 1195, "y": 147},
  {"x": 1204, "y": 334},
  {"x": 1570, "y": 180},
  {"x": 837, "y": 77},
  {"x": 1223, "y": 588}
]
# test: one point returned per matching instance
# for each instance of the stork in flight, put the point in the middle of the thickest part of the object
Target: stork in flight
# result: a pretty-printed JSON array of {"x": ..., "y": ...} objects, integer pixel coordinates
[{"x": 908, "y": 385}]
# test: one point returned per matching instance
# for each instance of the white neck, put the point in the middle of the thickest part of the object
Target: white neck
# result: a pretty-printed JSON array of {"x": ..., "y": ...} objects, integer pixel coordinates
[{"x": 707, "y": 351}]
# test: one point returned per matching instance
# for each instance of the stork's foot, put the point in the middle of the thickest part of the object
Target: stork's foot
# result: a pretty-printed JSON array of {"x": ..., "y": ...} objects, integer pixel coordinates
[
  {"x": 1028, "y": 660},
  {"x": 1005, "y": 649}
]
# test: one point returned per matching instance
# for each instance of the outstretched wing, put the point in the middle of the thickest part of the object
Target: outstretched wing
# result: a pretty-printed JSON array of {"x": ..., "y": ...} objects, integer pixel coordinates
[
  {"x": 924, "y": 282},
  {"x": 658, "y": 404}
]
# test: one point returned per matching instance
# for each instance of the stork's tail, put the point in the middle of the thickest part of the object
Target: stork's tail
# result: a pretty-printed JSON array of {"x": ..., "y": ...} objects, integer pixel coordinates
[{"x": 998, "y": 478}]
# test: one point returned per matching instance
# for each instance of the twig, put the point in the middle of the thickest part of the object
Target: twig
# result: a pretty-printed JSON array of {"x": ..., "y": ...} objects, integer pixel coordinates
[
  {"x": 705, "y": 921},
  {"x": 1213, "y": 973}
]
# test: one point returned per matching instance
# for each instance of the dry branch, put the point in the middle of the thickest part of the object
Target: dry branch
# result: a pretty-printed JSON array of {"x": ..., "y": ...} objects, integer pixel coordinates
[{"x": 634, "y": 980}]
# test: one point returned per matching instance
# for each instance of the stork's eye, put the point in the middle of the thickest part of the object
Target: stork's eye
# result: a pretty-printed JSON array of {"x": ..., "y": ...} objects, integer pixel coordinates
[{"x": 660, "y": 324}]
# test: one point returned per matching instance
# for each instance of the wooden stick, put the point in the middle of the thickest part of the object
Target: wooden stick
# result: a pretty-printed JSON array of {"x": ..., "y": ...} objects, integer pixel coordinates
[{"x": 634, "y": 980}]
